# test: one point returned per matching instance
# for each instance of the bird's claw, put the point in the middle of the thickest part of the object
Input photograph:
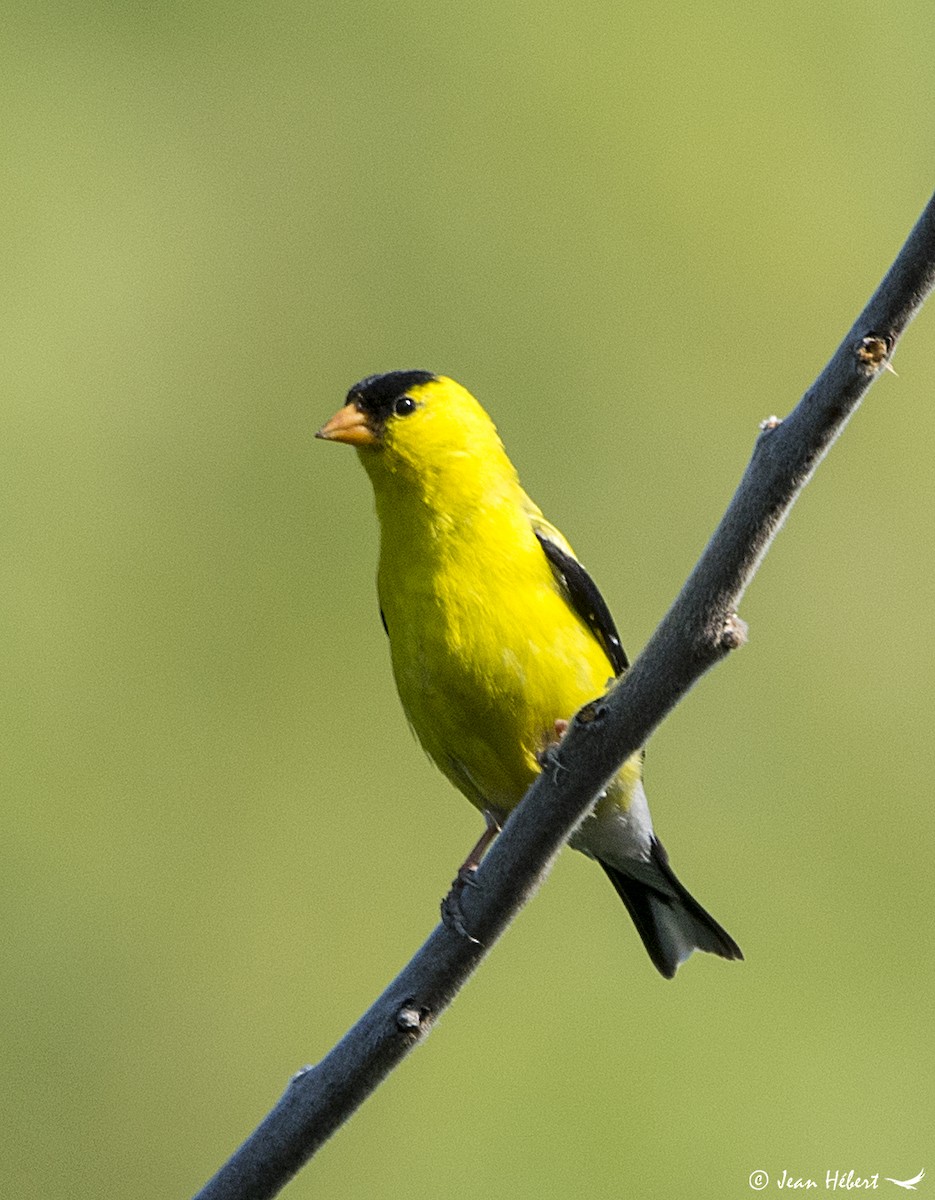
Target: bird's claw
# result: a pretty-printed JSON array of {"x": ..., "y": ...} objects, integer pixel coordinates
[{"x": 452, "y": 912}]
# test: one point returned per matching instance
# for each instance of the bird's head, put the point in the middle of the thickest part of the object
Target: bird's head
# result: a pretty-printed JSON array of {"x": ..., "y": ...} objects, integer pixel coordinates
[{"x": 417, "y": 425}]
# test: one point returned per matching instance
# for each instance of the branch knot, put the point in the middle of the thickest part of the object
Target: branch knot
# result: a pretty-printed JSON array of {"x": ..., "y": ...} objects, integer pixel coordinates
[
  {"x": 873, "y": 351},
  {"x": 733, "y": 633}
]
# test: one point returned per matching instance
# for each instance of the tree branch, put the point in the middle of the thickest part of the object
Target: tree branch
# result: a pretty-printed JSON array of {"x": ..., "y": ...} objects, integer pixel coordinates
[{"x": 699, "y": 630}]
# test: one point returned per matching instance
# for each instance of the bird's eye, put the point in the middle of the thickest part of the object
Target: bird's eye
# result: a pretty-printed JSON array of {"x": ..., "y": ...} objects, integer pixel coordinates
[{"x": 404, "y": 406}]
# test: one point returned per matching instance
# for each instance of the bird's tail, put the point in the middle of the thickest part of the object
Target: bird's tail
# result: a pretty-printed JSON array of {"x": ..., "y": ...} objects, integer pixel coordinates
[{"x": 668, "y": 918}]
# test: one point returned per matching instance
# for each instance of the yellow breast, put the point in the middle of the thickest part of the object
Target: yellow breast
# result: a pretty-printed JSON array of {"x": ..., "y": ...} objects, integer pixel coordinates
[{"x": 486, "y": 651}]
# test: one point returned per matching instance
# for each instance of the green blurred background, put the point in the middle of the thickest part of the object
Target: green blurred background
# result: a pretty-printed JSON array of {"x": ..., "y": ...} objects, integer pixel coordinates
[{"x": 633, "y": 232}]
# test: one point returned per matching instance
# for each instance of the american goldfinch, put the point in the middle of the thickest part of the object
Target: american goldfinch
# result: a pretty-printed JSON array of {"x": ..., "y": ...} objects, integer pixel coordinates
[{"x": 498, "y": 634}]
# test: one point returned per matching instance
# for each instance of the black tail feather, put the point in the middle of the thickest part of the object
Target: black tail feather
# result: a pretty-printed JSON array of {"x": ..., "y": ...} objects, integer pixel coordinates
[{"x": 667, "y": 917}]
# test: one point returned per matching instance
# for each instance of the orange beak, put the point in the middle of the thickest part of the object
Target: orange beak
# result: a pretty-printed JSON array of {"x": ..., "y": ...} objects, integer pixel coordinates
[{"x": 348, "y": 425}]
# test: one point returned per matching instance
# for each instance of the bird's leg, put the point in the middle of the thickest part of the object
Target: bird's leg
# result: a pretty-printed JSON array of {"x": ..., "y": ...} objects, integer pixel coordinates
[
  {"x": 468, "y": 868},
  {"x": 452, "y": 915}
]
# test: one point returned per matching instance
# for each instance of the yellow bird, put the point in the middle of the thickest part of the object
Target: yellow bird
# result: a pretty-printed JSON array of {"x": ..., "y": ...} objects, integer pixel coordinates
[{"x": 498, "y": 635}]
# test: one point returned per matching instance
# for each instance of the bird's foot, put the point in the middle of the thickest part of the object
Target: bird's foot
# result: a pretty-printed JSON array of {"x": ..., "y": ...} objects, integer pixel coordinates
[
  {"x": 548, "y": 755},
  {"x": 452, "y": 912}
]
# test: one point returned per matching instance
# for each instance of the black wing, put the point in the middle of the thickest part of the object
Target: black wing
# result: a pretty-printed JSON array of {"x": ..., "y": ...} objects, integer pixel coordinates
[{"x": 586, "y": 600}]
